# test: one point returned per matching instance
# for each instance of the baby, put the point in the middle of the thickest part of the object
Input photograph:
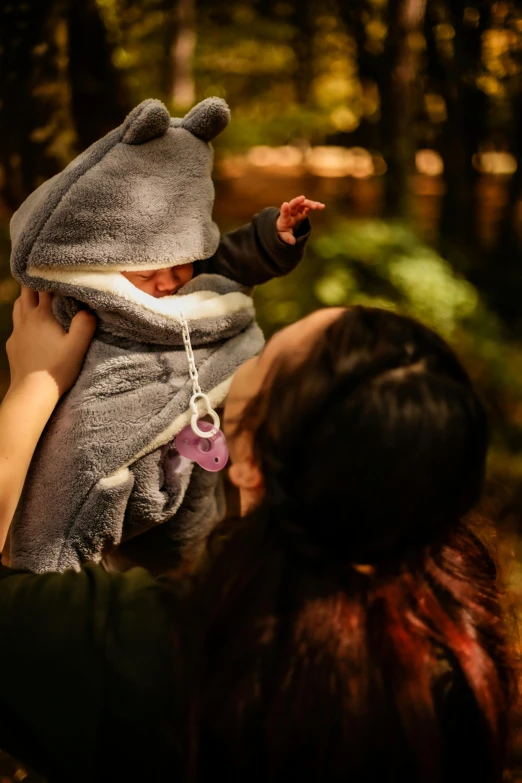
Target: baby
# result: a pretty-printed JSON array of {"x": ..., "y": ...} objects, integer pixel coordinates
[
  {"x": 126, "y": 230},
  {"x": 167, "y": 281}
]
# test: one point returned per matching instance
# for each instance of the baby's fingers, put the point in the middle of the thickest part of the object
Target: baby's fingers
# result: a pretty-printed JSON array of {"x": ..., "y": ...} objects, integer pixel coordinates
[
  {"x": 295, "y": 203},
  {"x": 313, "y": 204},
  {"x": 301, "y": 214},
  {"x": 288, "y": 237}
]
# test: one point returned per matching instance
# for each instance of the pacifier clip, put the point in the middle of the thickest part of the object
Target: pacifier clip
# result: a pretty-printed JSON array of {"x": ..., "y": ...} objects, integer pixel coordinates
[{"x": 200, "y": 441}]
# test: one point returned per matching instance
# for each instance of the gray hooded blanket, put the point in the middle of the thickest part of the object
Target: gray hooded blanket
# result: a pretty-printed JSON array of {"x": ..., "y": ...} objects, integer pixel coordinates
[{"x": 105, "y": 469}]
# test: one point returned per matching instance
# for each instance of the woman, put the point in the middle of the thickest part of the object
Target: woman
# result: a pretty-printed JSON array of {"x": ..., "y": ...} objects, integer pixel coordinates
[{"x": 347, "y": 628}]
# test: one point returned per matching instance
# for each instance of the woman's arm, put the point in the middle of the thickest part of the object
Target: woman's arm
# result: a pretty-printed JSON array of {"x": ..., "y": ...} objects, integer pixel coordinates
[{"x": 44, "y": 361}]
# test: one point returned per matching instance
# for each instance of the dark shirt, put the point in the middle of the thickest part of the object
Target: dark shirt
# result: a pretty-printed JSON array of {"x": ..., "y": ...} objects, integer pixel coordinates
[{"x": 87, "y": 669}]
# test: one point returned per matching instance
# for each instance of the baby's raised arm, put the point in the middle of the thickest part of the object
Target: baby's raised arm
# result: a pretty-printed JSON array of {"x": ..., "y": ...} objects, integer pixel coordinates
[{"x": 270, "y": 246}]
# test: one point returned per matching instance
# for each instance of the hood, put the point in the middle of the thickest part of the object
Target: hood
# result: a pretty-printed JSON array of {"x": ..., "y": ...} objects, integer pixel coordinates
[{"x": 140, "y": 197}]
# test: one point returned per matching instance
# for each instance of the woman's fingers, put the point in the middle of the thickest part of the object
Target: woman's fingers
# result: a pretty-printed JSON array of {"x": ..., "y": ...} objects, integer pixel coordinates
[
  {"x": 28, "y": 300},
  {"x": 17, "y": 311},
  {"x": 82, "y": 329},
  {"x": 45, "y": 301}
]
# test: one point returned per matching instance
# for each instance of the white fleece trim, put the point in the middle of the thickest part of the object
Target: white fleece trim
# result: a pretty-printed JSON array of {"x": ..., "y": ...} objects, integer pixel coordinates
[
  {"x": 216, "y": 396},
  {"x": 200, "y": 304},
  {"x": 115, "y": 479}
]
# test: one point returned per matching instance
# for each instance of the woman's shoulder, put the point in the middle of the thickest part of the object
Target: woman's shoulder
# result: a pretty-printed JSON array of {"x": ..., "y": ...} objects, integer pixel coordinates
[
  {"x": 91, "y": 584},
  {"x": 103, "y": 617},
  {"x": 96, "y": 643},
  {"x": 105, "y": 606}
]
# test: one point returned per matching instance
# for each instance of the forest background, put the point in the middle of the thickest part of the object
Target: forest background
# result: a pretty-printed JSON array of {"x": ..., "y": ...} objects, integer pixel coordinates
[{"x": 403, "y": 116}]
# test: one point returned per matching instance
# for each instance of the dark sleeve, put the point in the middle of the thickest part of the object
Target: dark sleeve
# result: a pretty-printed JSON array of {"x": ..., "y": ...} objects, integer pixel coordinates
[
  {"x": 66, "y": 667},
  {"x": 253, "y": 254}
]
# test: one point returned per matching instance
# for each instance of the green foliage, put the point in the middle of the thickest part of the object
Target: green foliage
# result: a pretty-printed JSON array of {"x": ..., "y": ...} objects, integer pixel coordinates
[
  {"x": 277, "y": 91},
  {"x": 314, "y": 73},
  {"x": 249, "y": 58},
  {"x": 137, "y": 33},
  {"x": 387, "y": 265},
  {"x": 382, "y": 264}
]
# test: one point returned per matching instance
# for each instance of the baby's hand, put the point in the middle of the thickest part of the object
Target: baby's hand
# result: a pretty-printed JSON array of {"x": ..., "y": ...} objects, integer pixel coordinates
[
  {"x": 40, "y": 348},
  {"x": 292, "y": 214}
]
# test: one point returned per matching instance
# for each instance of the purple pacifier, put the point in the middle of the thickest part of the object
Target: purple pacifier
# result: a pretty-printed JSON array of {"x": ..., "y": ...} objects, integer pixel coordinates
[
  {"x": 200, "y": 441},
  {"x": 210, "y": 453}
]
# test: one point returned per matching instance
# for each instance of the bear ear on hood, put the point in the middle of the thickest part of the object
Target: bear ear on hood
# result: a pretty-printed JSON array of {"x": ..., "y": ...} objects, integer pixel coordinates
[
  {"x": 147, "y": 121},
  {"x": 207, "y": 119}
]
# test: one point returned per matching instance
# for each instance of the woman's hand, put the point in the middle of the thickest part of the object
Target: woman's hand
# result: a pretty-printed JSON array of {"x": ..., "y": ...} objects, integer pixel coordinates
[
  {"x": 40, "y": 349},
  {"x": 45, "y": 361}
]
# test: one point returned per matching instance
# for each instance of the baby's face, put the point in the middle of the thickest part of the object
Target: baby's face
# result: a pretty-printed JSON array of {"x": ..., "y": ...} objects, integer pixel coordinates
[{"x": 161, "y": 282}]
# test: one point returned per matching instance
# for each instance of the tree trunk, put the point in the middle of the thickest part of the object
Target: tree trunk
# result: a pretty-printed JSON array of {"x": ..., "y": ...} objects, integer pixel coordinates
[
  {"x": 99, "y": 99},
  {"x": 504, "y": 262},
  {"x": 466, "y": 110},
  {"x": 370, "y": 72},
  {"x": 302, "y": 20},
  {"x": 400, "y": 101},
  {"x": 28, "y": 61},
  {"x": 183, "y": 88}
]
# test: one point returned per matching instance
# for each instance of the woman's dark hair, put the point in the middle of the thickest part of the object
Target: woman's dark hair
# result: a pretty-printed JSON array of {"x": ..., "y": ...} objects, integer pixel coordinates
[{"x": 349, "y": 628}]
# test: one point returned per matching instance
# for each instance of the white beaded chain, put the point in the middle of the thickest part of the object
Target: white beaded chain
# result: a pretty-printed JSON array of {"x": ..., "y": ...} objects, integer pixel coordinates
[{"x": 197, "y": 394}]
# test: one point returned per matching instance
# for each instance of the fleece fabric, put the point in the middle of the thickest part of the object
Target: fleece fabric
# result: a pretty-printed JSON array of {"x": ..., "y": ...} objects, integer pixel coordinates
[
  {"x": 105, "y": 469},
  {"x": 140, "y": 196}
]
